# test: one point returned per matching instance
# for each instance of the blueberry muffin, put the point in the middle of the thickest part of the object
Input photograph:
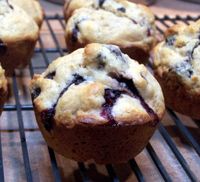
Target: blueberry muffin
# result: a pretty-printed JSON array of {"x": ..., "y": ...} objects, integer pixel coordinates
[
  {"x": 177, "y": 68},
  {"x": 3, "y": 89},
  {"x": 18, "y": 36},
  {"x": 119, "y": 22},
  {"x": 97, "y": 103},
  {"x": 32, "y": 8}
]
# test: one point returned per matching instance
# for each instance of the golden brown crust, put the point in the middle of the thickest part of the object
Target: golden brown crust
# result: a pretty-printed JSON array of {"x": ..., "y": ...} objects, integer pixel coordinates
[{"x": 103, "y": 144}]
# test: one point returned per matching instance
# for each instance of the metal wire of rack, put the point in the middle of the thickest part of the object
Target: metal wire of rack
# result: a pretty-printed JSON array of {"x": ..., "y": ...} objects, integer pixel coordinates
[{"x": 18, "y": 107}]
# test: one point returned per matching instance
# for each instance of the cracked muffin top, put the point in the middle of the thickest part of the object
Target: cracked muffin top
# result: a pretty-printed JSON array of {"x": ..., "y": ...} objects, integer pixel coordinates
[
  {"x": 15, "y": 23},
  {"x": 116, "y": 22},
  {"x": 136, "y": 12},
  {"x": 179, "y": 54},
  {"x": 97, "y": 85},
  {"x": 3, "y": 81},
  {"x": 32, "y": 8}
]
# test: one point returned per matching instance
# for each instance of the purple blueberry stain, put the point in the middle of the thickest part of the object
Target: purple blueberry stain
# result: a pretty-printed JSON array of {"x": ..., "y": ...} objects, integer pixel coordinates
[
  {"x": 3, "y": 48},
  {"x": 129, "y": 87},
  {"x": 101, "y": 2},
  {"x": 47, "y": 116},
  {"x": 110, "y": 97},
  {"x": 116, "y": 52},
  {"x": 122, "y": 9},
  {"x": 11, "y": 7},
  {"x": 77, "y": 79},
  {"x": 184, "y": 68},
  {"x": 149, "y": 32},
  {"x": 190, "y": 53},
  {"x": 50, "y": 75},
  {"x": 36, "y": 92},
  {"x": 75, "y": 32},
  {"x": 99, "y": 59},
  {"x": 135, "y": 22}
]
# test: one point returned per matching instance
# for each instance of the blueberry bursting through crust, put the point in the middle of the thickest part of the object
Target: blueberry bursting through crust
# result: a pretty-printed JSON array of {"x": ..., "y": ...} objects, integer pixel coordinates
[
  {"x": 48, "y": 114},
  {"x": 126, "y": 86},
  {"x": 75, "y": 31},
  {"x": 185, "y": 67}
]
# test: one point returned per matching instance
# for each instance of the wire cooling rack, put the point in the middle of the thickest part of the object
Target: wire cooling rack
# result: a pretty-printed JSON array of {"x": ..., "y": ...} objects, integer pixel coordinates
[{"x": 173, "y": 153}]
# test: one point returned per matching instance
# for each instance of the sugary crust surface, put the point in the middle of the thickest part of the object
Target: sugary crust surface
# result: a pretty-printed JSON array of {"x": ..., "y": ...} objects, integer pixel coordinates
[
  {"x": 99, "y": 67},
  {"x": 113, "y": 22},
  {"x": 3, "y": 88},
  {"x": 177, "y": 67},
  {"x": 18, "y": 36},
  {"x": 32, "y": 8}
]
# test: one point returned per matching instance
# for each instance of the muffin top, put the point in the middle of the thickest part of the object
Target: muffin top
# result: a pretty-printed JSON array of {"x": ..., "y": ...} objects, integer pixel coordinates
[
  {"x": 136, "y": 12},
  {"x": 97, "y": 85},
  {"x": 15, "y": 23},
  {"x": 88, "y": 25},
  {"x": 179, "y": 54},
  {"x": 3, "y": 81},
  {"x": 32, "y": 7}
]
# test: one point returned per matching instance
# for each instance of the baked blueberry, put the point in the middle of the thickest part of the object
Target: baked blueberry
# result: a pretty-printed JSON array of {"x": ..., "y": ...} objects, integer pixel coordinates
[
  {"x": 35, "y": 93},
  {"x": 122, "y": 9},
  {"x": 51, "y": 75},
  {"x": 101, "y": 2},
  {"x": 3, "y": 47},
  {"x": 110, "y": 97}
]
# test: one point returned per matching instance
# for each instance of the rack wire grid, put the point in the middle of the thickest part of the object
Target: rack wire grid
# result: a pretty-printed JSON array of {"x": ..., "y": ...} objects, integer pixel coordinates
[{"x": 173, "y": 153}]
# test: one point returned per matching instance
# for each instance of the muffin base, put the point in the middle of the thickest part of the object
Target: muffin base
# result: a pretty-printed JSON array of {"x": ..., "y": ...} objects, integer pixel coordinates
[
  {"x": 177, "y": 98},
  {"x": 17, "y": 55},
  {"x": 103, "y": 144}
]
